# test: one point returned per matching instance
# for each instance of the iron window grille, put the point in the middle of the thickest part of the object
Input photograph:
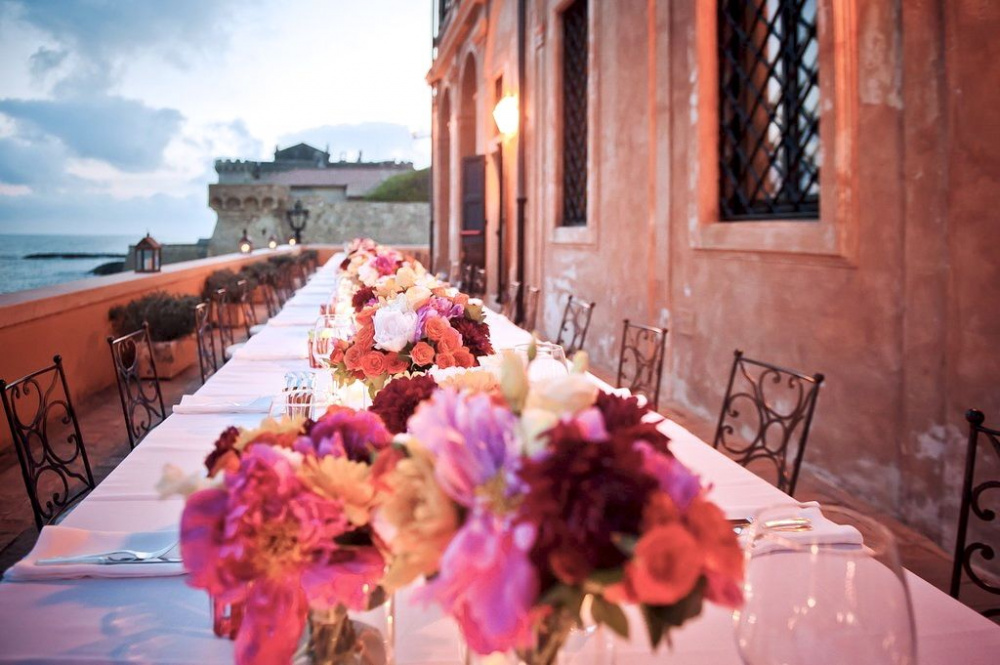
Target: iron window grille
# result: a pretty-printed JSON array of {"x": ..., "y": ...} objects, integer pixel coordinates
[
  {"x": 574, "y": 83},
  {"x": 769, "y": 144}
]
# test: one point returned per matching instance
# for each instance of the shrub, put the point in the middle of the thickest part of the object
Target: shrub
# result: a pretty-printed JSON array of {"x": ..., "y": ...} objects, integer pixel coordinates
[
  {"x": 413, "y": 186},
  {"x": 170, "y": 316},
  {"x": 227, "y": 279}
]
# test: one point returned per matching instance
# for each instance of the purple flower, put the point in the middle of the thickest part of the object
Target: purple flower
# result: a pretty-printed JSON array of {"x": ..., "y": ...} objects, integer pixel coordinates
[
  {"x": 344, "y": 432},
  {"x": 674, "y": 478},
  {"x": 488, "y": 584},
  {"x": 473, "y": 440}
]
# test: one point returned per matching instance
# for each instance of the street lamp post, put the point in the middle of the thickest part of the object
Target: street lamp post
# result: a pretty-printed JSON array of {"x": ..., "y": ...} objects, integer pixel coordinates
[{"x": 297, "y": 218}]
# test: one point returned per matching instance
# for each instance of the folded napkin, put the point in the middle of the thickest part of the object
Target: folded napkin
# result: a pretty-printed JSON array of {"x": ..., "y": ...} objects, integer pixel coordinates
[
  {"x": 821, "y": 532},
  {"x": 195, "y": 404},
  {"x": 56, "y": 541},
  {"x": 296, "y": 316}
]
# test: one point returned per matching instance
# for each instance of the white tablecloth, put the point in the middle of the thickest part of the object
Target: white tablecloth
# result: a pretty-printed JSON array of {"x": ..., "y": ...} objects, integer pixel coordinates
[{"x": 162, "y": 620}]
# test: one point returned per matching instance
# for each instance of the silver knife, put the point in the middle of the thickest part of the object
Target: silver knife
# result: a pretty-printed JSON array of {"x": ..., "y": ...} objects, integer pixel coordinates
[{"x": 101, "y": 560}]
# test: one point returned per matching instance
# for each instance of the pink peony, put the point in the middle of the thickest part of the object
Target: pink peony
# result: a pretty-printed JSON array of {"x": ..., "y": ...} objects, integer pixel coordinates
[
  {"x": 488, "y": 584},
  {"x": 267, "y": 539}
]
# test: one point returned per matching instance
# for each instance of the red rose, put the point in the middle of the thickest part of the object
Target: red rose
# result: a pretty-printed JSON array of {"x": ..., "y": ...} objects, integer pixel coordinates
[
  {"x": 396, "y": 364},
  {"x": 422, "y": 353},
  {"x": 723, "y": 556},
  {"x": 373, "y": 363},
  {"x": 353, "y": 356},
  {"x": 667, "y": 564},
  {"x": 365, "y": 316},
  {"x": 444, "y": 360},
  {"x": 365, "y": 336}
]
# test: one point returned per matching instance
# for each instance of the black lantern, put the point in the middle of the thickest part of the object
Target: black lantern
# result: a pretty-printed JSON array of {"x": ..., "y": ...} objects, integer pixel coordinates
[
  {"x": 297, "y": 218},
  {"x": 147, "y": 255},
  {"x": 246, "y": 245}
]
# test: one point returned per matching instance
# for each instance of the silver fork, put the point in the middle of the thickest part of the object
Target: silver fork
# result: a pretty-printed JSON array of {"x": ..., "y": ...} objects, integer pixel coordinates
[{"x": 114, "y": 556}]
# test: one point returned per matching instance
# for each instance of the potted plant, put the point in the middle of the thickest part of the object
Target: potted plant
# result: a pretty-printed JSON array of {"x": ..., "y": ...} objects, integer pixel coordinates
[{"x": 171, "y": 324}]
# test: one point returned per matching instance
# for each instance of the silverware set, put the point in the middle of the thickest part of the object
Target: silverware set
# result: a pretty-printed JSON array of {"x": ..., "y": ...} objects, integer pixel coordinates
[{"x": 114, "y": 557}]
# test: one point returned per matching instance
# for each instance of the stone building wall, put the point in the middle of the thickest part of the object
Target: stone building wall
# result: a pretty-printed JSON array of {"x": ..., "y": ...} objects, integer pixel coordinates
[
  {"x": 887, "y": 293},
  {"x": 260, "y": 210}
]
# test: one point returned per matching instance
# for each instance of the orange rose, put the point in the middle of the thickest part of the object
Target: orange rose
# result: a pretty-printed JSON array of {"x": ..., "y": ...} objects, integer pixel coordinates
[
  {"x": 721, "y": 549},
  {"x": 435, "y": 327},
  {"x": 395, "y": 363},
  {"x": 353, "y": 356},
  {"x": 365, "y": 316},
  {"x": 668, "y": 563},
  {"x": 450, "y": 341},
  {"x": 373, "y": 363},
  {"x": 445, "y": 360},
  {"x": 461, "y": 299},
  {"x": 660, "y": 511},
  {"x": 365, "y": 336},
  {"x": 464, "y": 358},
  {"x": 422, "y": 353},
  {"x": 337, "y": 356}
]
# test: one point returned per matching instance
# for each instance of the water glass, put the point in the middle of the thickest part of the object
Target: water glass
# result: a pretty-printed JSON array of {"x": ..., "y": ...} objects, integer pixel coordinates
[
  {"x": 328, "y": 329},
  {"x": 832, "y": 593},
  {"x": 549, "y": 362}
]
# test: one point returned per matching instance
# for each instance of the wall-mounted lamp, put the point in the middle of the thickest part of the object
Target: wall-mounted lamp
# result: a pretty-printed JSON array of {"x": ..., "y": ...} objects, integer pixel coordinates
[
  {"x": 292, "y": 242},
  {"x": 246, "y": 246},
  {"x": 272, "y": 242},
  {"x": 505, "y": 114}
]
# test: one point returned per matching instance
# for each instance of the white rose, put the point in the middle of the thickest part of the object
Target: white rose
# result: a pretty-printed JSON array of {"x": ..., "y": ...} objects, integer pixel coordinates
[
  {"x": 368, "y": 275},
  {"x": 395, "y": 324},
  {"x": 562, "y": 395}
]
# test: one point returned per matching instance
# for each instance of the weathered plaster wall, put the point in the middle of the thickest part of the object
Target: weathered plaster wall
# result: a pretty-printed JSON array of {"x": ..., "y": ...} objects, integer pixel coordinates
[{"x": 892, "y": 294}]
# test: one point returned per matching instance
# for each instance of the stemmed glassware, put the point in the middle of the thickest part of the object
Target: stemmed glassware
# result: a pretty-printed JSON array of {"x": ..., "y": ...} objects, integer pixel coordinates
[
  {"x": 549, "y": 361},
  {"x": 833, "y": 592}
]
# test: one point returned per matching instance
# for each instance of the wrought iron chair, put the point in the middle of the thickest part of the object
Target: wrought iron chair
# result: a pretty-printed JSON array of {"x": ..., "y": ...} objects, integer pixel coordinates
[
  {"x": 477, "y": 286},
  {"x": 575, "y": 324},
  {"x": 53, "y": 471},
  {"x": 640, "y": 363},
  {"x": 223, "y": 318},
  {"x": 509, "y": 307},
  {"x": 208, "y": 363},
  {"x": 132, "y": 356},
  {"x": 971, "y": 495},
  {"x": 283, "y": 284},
  {"x": 767, "y": 415},
  {"x": 247, "y": 311},
  {"x": 529, "y": 308}
]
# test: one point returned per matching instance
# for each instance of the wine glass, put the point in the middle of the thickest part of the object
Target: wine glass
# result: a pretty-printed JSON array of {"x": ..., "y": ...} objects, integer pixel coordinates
[
  {"x": 328, "y": 329},
  {"x": 831, "y": 590},
  {"x": 549, "y": 361}
]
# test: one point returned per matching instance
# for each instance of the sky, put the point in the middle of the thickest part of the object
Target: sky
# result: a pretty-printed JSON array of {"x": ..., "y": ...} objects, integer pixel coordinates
[{"x": 112, "y": 112}]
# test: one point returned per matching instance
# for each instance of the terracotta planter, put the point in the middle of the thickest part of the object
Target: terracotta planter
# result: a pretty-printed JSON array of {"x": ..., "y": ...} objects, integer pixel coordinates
[{"x": 172, "y": 357}]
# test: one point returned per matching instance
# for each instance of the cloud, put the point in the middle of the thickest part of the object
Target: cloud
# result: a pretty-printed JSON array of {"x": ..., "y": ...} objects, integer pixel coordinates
[
  {"x": 44, "y": 60},
  {"x": 39, "y": 164},
  {"x": 122, "y": 132},
  {"x": 377, "y": 141}
]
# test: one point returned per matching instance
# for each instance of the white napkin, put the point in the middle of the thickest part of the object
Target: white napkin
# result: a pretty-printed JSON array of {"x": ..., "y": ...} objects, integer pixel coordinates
[
  {"x": 822, "y": 531},
  {"x": 56, "y": 541},
  {"x": 296, "y": 316},
  {"x": 195, "y": 404}
]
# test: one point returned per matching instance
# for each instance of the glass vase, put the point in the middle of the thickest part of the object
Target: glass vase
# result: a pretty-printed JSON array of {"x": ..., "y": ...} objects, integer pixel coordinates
[
  {"x": 336, "y": 636},
  {"x": 226, "y": 617},
  {"x": 560, "y": 641}
]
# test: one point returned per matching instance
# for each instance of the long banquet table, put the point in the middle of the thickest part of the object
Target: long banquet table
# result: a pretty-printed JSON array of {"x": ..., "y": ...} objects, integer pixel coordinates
[{"x": 162, "y": 620}]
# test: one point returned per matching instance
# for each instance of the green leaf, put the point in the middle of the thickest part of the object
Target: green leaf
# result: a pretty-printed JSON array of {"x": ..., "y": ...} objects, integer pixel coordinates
[
  {"x": 625, "y": 543},
  {"x": 610, "y": 614},
  {"x": 654, "y": 625},
  {"x": 661, "y": 618},
  {"x": 564, "y": 596}
]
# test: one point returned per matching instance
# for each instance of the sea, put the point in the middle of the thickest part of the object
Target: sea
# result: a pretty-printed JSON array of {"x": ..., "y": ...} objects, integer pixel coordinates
[{"x": 18, "y": 273}]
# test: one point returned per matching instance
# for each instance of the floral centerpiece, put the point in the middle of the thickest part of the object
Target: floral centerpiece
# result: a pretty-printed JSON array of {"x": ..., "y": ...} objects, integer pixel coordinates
[
  {"x": 409, "y": 329},
  {"x": 517, "y": 503},
  {"x": 285, "y": 530}
]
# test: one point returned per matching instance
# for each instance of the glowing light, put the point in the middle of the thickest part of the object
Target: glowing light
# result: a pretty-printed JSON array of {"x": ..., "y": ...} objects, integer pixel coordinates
[{"x": 505, "y": 114}]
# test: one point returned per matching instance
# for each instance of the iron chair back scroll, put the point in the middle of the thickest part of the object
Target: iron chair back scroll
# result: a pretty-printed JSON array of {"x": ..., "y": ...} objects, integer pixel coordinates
[
  {"x": 55, "y": 474},
  {"x": 208, "y": 363},
  {"x": 575, "y": 324},
  {"x": 247, "y": 311},
  {"x": 640, "y": 363},
  {"x": 529, "y": 319},
  {"x": 509, "y": 307},
  {"x": 142, "y": 399},
  {"x": 223, "y": 318},
  {"x": 971, "y": 502},
  {"x": 766, "y": 416}
]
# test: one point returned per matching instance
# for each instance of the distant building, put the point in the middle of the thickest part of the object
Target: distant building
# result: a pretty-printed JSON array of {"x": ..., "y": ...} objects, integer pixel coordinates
[{"x": 256, "y": 196}]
